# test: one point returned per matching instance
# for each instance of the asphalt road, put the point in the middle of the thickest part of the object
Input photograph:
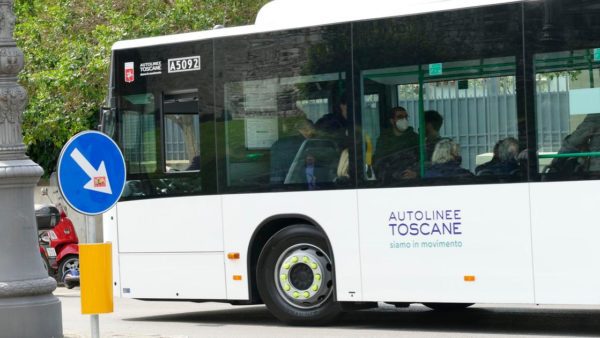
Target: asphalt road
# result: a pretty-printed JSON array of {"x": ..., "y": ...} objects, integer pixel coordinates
[{"x": 134, "y": 318}]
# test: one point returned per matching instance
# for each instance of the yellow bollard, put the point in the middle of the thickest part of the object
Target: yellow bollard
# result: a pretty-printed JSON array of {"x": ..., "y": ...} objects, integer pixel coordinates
[{"x": 95, "y": 275}]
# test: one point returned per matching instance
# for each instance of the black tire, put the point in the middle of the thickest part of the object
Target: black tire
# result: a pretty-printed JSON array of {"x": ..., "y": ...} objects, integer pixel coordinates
[
  {"x": 66, "y": 264},
  {"x": 304, "y": 307},
  {"x": 448, "y": 306}
]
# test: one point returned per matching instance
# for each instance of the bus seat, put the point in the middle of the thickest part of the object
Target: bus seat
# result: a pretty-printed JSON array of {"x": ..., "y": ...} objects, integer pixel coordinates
[{"x": 326, "y": 156}]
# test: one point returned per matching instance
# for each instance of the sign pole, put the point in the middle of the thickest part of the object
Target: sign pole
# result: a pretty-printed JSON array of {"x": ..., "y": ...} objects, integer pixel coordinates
[
  {"x": 90, "y": 222},
  {"x": 95, "y": 321}
]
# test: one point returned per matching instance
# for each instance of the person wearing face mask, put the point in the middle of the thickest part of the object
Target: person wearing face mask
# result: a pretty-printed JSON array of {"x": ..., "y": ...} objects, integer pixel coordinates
[{"x": 396, "y": 152}]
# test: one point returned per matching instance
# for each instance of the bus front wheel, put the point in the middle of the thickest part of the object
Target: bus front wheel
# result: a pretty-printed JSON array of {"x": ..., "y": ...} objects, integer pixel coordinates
[{"x": 295, "y": 277}]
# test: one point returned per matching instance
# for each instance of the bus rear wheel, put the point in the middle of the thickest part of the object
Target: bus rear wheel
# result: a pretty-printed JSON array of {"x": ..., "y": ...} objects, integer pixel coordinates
[{"x": 295, "y": 277}]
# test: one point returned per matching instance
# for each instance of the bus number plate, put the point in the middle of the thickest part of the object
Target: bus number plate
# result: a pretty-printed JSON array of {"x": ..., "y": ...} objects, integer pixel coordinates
[{"x": 186, "y": 64}]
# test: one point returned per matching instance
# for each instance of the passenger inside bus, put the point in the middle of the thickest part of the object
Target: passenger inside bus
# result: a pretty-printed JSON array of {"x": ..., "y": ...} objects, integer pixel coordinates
[
  {"x": 433, "y": 124},
  {"x": 585, "y": 138},
  {"x": 491, "y": 162},
  {"x": 285, "y": 149},
  {"x": 446, "y": 160},
  {"x": 314, "y": 164},
  {"x": 343, "y": 169},
  {"x": 507, "y": 163},
  {"x": 336, "y": 125},
  {"x": 396, "y": 153}
]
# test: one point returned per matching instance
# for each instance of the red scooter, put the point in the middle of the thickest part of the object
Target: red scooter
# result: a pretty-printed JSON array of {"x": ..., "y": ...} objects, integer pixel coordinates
[{"x": 58, "y": 242}]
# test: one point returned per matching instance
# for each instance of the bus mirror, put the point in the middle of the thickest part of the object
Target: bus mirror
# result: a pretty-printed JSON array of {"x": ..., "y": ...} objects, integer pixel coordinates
[
  {"x": 103, "y": 112},
  {"x": 107, "y": 120}
]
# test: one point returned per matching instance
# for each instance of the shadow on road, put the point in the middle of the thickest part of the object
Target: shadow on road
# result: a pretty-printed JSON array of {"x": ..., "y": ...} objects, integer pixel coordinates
[{"x": 418, "y": 318}]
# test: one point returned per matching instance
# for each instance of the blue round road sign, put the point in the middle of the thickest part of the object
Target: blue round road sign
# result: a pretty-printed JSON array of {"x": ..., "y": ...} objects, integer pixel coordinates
[{"x": 91, "y": 172}]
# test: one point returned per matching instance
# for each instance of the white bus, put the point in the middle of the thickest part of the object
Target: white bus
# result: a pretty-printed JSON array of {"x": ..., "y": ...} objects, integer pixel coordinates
[{"x": 339, "y": 154}]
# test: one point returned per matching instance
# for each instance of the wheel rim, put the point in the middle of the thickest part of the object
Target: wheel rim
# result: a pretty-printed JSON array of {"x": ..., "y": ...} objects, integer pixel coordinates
[
  {"x": 303, "y": 276},
  {"x": 72, "y": 263}
]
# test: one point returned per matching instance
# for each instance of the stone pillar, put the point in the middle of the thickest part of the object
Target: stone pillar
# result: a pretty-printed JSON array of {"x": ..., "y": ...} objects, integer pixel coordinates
[{"x": 27, "y": 306}]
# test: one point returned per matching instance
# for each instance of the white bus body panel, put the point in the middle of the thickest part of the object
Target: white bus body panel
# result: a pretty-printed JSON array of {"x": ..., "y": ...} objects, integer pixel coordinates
[
  {"x": 173, "y": 275},
  {"x": 109, "y": 233},
  {"x": 495, "y": 237},
  {"x": 496, "y": 234},
  {"x": 175, "y": 224},
  {"x": 335, "y": 211},
  {"x": 171, "y": 246},
  {"x": 565, "y": 242}
]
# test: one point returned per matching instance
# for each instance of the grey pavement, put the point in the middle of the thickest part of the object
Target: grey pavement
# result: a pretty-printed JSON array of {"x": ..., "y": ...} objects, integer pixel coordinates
[{"x": 134, "y": 318}]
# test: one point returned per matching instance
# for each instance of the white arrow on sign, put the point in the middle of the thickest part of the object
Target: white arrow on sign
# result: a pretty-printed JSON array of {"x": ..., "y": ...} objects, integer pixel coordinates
[{"x": 98, "y": 178}]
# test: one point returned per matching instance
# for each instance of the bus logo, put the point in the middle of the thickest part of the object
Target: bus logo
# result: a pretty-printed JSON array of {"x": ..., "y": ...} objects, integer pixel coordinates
[
  {"x": 129, "y": 72},
  {"x": 151, "y": 68}
]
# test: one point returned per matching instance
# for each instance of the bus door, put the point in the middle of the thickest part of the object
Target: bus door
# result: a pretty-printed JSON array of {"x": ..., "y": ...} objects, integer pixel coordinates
[{"x": 170, "y": 229}]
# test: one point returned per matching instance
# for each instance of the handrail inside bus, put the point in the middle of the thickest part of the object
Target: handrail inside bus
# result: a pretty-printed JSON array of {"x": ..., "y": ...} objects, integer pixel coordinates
[{"x": 563, "y": 155}]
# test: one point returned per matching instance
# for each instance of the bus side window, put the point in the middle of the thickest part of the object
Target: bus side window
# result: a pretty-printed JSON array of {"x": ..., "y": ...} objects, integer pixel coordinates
[
  {"x": 415, "y": 92},
  {"x": 182, "y": 132},
  {"x": 138, "y": 133},
  {"x": 181, "y": 144},
  {"x": 576, "y": 155}
]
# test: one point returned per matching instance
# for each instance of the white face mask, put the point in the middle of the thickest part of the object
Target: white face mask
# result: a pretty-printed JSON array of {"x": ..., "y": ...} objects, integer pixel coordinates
[{"x": 402, "y": 124}]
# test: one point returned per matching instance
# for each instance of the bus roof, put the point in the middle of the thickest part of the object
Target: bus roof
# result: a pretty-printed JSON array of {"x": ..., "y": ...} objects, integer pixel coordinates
[{"x": 288, "y": 14}]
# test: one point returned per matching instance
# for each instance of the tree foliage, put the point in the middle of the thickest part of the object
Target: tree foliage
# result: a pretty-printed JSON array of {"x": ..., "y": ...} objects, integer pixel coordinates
[{"x": 67, "y": 54}]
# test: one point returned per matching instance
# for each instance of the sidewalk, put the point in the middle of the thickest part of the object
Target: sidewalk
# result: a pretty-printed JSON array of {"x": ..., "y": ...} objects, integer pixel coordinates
[{"x": 134, "y": 318}]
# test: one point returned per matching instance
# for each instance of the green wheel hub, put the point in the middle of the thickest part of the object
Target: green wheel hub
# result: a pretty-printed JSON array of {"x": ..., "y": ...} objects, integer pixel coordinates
[{"x": 303, "y": 276}]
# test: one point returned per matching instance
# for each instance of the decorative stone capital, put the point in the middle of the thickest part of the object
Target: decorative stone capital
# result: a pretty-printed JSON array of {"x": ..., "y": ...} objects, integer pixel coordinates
[
  {"x": 13, "y": 99},
  {"x": 11, "y": 62},
  {"x": 7, "y": 21}
]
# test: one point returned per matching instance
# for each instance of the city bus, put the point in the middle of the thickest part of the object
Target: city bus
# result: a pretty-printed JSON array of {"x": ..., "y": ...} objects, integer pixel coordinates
[{"x": 339, "y": 155}]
